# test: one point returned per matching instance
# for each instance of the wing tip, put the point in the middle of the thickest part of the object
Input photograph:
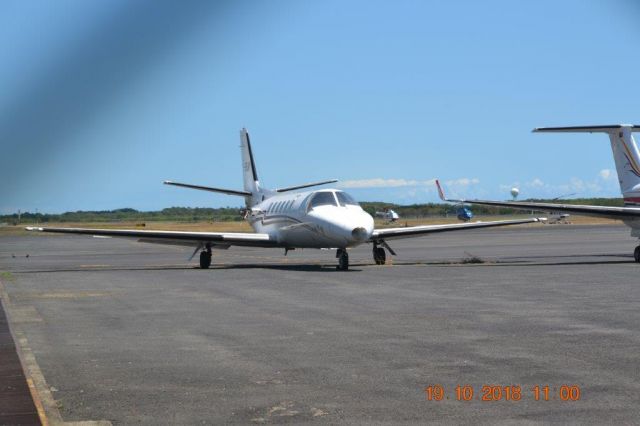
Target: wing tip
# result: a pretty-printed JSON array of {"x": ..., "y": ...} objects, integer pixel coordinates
[{"x": 440, "y": 192}]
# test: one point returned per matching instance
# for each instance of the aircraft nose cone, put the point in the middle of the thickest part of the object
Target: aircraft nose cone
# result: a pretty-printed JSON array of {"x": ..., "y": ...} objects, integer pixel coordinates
[{"x": 360, "y": 233}]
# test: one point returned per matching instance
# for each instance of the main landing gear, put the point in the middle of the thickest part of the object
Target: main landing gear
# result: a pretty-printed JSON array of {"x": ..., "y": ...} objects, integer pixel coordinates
[
  {"x": 205, "y": 258},
  {"x": 636, "y": 254},
  {"x": 343, "y": 260}
]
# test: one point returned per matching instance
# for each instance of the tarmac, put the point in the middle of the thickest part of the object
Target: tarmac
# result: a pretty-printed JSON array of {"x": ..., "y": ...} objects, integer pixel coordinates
[{"x": 111, "y": 330}]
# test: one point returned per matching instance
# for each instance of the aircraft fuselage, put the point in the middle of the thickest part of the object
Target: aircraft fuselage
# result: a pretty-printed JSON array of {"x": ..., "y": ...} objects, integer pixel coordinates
[{"x": 297, "y": 220}]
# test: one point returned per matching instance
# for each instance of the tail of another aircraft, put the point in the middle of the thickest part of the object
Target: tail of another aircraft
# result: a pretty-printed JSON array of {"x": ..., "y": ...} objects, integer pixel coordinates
[{"x": 625, "y": 153}]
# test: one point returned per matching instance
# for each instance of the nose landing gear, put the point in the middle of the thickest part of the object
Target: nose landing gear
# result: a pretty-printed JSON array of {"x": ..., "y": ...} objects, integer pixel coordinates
[
  {"x": 379, "y": 255},
  {"x": 636, "y": 254},
  {"x": 343, "y": 260}
]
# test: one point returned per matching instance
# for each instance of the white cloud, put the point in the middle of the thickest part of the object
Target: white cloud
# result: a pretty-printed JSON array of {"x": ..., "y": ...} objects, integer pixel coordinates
[
  {"x": 428, "y": 184},
  {"x": 603, "y": 184},
  {"x": 605, "y": 174},
  {"x": 536, "y": 183},
  {"x": 463, "y": 182},
  {"x": 383, "y": 183}
]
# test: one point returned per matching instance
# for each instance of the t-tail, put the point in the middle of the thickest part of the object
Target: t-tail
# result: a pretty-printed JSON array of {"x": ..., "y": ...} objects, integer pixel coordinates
[
  {"x": 249, "y": 172},
  {"x": 253, "y": 192},
  {"x": 625, "y": 154}
]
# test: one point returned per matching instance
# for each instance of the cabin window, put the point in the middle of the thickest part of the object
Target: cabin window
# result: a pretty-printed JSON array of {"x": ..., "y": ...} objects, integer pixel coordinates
[
  {"x": 322, "y": 199},
  {"x": 345, "y": 199}
]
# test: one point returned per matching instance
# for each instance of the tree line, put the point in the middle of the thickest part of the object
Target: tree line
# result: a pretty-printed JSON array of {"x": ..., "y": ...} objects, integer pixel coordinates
[{"x": 234, "y": 214}]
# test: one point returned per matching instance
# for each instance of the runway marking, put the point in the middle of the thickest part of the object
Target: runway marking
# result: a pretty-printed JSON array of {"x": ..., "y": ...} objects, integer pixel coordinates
[
  {"x": 67, "y": 294},
  {"x": 25, "y": 314},
  {"x": 37, "y": 402}
]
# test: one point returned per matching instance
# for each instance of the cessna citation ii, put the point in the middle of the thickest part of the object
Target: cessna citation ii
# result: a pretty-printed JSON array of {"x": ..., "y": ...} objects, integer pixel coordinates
[
  {"x": 627, "y": 158},
  {"x": 323, "y": 219}
]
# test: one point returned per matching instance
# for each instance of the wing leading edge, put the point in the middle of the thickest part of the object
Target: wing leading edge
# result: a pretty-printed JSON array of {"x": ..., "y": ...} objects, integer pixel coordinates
[
  {"x": 173, "y": 237},
  {"x": 581, "y": 209},
  {"x": 417, "y": 231}
]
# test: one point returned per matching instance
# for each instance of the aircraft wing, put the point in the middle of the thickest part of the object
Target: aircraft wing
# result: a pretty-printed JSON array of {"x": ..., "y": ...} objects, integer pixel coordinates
[
  {"x": 580, "y": 209},
  {"x": 586, "y": 210},
  {"x": 182, "y": 238},
  {"x": 417, "y": 231}
]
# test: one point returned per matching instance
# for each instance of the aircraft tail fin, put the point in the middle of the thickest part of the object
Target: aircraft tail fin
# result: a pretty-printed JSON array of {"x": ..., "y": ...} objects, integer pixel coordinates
[
  {"x": 625, "y": 154},
  {"x": 249, "y": 172}
]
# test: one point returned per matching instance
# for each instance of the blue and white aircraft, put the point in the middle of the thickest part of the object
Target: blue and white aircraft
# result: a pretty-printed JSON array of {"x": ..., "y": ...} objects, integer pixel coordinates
[{"x": 286, "y": 218}]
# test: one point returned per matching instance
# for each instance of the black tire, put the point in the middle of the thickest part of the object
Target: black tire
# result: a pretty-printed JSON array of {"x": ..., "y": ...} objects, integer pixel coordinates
[
  {"x": 636, "y": 254},
  {"x": 343, "y": 261},
  {"x": 205, "y": 259},
  {"x": 380, "y": 256}
]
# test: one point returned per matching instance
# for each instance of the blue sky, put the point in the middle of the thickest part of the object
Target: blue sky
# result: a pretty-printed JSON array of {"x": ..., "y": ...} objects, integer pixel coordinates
[{"x": 102, "y": 101}]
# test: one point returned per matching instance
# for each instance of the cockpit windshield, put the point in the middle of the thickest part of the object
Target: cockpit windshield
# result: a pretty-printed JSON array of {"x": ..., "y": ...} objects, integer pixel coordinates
[
  {"x": 345, "y": 199},
  {"x": 322, "y": 199}
]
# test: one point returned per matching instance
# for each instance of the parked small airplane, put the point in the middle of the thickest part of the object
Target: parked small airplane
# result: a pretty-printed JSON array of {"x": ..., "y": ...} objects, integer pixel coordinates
[
  {"x": 388, "y": 214},
  {"x": 326, "y": 218},
  {"x": 627, "y": 158},
  {"x": 463, "y": 213}
]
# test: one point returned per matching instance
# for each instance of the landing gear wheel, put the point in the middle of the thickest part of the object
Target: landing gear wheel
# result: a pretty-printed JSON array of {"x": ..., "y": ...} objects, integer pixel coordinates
[
  {"x": 343, "y": 260},
  {"x": 379, "y": 255},
  {"x": 205, "y": 259},
  {"x": 636, "y": 254}
]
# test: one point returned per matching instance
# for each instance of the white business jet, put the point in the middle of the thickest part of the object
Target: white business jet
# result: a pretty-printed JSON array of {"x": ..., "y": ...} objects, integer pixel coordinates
[
  {"x": 326, "y": 218},
  {"x": 627, "y": 158}
]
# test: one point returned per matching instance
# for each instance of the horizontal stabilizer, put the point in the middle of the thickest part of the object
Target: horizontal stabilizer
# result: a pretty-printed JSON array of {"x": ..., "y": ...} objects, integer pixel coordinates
[
  {"x": 588, "y": 129},
  {"x": 208, "y": 188},
  {"x": 306, "y": 185}
]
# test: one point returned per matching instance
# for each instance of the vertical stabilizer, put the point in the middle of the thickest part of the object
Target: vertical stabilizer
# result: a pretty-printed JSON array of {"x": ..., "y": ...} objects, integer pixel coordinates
[
  {"x": 627, "y": 157},
  {"x": 625, "y": 154},
  {"x": 249, "y": 172}
]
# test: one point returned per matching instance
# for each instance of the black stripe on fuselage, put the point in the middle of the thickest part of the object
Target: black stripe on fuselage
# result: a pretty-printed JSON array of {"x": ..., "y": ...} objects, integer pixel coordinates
[{"x": 270, "y": 220}]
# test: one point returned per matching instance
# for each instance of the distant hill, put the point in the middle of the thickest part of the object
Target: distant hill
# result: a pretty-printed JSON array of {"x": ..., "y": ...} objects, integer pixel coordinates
[{"x": 232, "y": 214}]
